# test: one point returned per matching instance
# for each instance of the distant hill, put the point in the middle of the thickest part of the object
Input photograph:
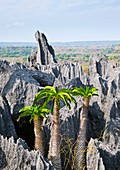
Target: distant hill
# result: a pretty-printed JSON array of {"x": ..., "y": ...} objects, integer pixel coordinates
[{"x": 61, "y": 44}]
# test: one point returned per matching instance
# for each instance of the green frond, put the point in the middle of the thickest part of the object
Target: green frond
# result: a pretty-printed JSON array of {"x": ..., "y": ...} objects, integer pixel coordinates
[
  {"x": 35, "y": 110},
  {"x": 27, "y": 111},
  {"x": 85, "y": 91},
  {"x": 64, "y": 90},
  {"x": 49, "y": 98},
  {"x": 31, "y": 118},
  {"x": 50, "y": 93},
  {"x": 66, "y": 96},
  {"x": 71, "y": 98},
  {"x": 78, "y": 92},
  {"x": 75, "y": 92},
  {"x": 23, "y": 114},
  {"x": 45, "y": 93},
  {"x": 43, "y": 115},
  {"x": 45, "y": 110},
  {"x": 40, "y": 95},
  {"x": 65, "y": 100},
  {"x": 51, "y": 88},
  {"x": 94, "y": 91}
]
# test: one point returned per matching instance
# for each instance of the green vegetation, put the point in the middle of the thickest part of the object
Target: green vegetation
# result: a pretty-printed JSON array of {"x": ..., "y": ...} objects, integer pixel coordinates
[
  {"x": 16, "y": 51},
  {"x": 53, "y": 94},
  {"x": 63, "y": 56},
  {"x": 81, "y": 143},
  {"x": 73, "y": 57},
  {"x": 37, "y": 112},
  {"x": 113, "y": 57},
  {"x": 75, "y": 54}
]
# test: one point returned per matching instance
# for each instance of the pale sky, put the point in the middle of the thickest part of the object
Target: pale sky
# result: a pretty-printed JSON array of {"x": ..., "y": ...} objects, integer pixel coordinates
[{"x": 60, "y": 20}]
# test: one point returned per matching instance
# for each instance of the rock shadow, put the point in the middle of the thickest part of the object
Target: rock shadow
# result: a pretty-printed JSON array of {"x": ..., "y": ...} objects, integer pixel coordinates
[
  {"x": 3, "y": 161},
  {"x": 97, "y": 121}
]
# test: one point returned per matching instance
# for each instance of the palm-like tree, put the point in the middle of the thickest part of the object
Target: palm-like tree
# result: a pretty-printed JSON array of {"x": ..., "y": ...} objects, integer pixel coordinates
[
  {"x": 52, "y": 93},
  {"x": 81, "y": 143},
  {"x": 36, "y": 113}
]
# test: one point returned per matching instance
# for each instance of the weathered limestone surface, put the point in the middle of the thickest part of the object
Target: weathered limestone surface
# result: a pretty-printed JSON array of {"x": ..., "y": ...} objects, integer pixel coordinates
[
  {"x": 18, "y": 86},
  {"x": 106, "y": 108},
  {"x": 64, "y": 73},
  {"x": 16, "y": 155},
  {"x": 104, "y": 112},
  {"x": 45, "y": 53},
  {"x": 6, "y": 124},
  {"x": 94, "y": 160},
  {"x": 101, "y": 156}
]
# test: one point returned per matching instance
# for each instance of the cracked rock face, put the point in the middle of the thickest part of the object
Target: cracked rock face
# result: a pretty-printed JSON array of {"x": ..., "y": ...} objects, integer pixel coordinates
[
  {"x": 17, "y": 156},
  {"x": 6, "y": 124},
  {"x": 108, "y": 101},
  {"x": 45, "y": 53},
  {"x": 18, "y": 87}
]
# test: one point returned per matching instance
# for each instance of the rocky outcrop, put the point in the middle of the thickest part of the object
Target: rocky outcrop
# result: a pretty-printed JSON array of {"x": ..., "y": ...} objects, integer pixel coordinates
[
  {"x": 18, "y": 86},
  {"x": 16, "y": 155},
  {"x": 45, "y": 53},
  {"x": 32, "y": 59},
  {"x": 104, "y": 114},
  {"x": 94, "y": 159},
  {"x": 101, "y": 156},
  {"x": 64, "y": 73},
  {"x": 6, "y": 124},
  {"x": 106, "y": 109}
]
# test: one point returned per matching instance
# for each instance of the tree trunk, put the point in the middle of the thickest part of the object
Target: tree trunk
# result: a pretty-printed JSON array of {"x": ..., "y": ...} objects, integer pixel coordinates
[
  {"x": 81, "y": 143},
  {"x": 39, "y": 136},
  {"x": 54, "y": 146}
]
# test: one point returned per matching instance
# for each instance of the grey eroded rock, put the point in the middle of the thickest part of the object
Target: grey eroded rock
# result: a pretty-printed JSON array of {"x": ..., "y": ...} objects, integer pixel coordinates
[
  {"x": 45, "y": 53},
  {"x": 94, "y": 159},
  {"x": 102, "y": 157},
  {"x": 19, "y": 85},
  {"x": 17, "y": 156},
  {"x": 32, "y": 59},
  {"x": 109, "y": 95},
  {"x": 107, "y": 111},
  {"x": 6, "y": 124},
  {"x": 64, "y": 73}
]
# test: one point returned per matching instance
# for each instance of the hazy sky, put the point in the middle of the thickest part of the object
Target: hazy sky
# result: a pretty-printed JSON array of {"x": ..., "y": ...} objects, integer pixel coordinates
[{"x": 60, "y": 20}]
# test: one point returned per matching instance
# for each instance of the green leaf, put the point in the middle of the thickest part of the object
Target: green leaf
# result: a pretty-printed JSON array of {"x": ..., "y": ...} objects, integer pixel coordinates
[
  {"x": 40, "y": 95},
  {"x": 27, "y": 108},
  {"x": 51, "y": 88},
  {"x": 45, "y": 110},
  {"x": 85, "y": 91},
  {"x": 43, "y": 115},
  {"x": 65, "y": 100},
  {"x": 32, "y": 117},
  {"x": 24, "y": 114}
]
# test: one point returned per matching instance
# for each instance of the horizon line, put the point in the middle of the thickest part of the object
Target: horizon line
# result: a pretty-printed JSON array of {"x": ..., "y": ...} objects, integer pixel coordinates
[{"x": 56, "y": 41}]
